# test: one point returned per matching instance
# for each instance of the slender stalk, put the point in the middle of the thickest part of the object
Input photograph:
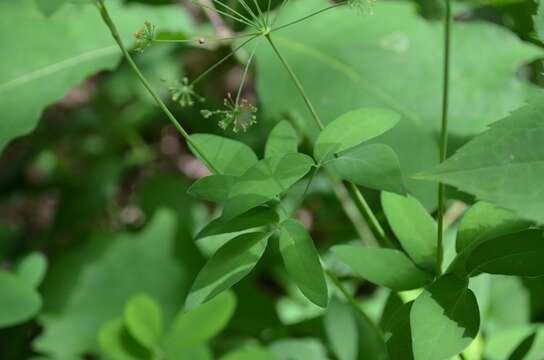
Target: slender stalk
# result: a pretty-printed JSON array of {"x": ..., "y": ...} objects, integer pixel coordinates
[
  {"x": 355, "y": 193},
  {"x": 444, "y": 134},
  {"x": 198, "y": 40},
  {"x": 308, "y": 16},
  {"x": 117, "y": 37},
  {"x": 296, "y": 81},
  {"x": 244, "y": 75},
  {"x": 355, "y": 304}
]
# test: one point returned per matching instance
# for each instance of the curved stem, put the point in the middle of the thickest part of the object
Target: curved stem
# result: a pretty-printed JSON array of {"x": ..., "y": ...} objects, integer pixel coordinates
[
  {"x": 117, "y": 37},
  {"x": 444, "y": 134},
  {"x": 309, "y": 16}
]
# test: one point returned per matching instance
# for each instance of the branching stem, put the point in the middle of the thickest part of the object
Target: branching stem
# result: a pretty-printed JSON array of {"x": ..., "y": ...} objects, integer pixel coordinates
[{"x": 117, "y": 37}]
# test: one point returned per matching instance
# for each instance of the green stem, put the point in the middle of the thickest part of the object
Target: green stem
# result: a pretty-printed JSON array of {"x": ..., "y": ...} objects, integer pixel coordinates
[
  {"x": 308, "y": 16},
  {"x": 355, "y": 304},
  {"x": 297, "y": 83},
  {"x": 117, "y": 37},
  {"x": 444, "y": 134},
  {"x": 355, "y": 193}
]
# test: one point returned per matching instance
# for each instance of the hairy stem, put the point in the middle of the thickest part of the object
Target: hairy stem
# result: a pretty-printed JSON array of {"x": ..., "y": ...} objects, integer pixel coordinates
[
  {"x": 355, "y": 193},
  {"x": 117, "y": 37},
  {"x": 444, "y": 135}
]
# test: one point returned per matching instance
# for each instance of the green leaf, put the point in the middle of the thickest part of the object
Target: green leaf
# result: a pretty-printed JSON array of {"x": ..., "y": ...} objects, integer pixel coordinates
[
  {"x": 375, "y": 166},
  {"x": 399, "y": 335},
  {"x": 249, "y": 353},
  {"x": 214, "y": 188},
  {"x": 264, "y": 181},
  {"x": 30, "y": 83},
  {"x": 504, "y": 165},
  {"x": 133, "y": 263},
  {"x": 444, "y": 319},
  {"x": 19, "y": 301},
  {"x": 253, "y": 219},
  {"x": 298, "y": 349},
  {"x": 386, "y": 267},
  {"x": 414, "y": 227},
  {"x": 116, "y": 343},
  {"x": 143, "y": 320},
  {"x": 32, "y": 269},
  {"x": 352, "y": 129},
  {"x": 197, "y": 326},
  {"x": 230, "y": 264},
  {"x": 384, "y": 69},
  {"x": 485, "y": 221},
  {"x": 341, "y": 330},
  {"x": 302, "y": 262},
  {"x": 230, "y": 157},
  {"x": 282, "y": 140},
  {"x": 517, "y": 254}
]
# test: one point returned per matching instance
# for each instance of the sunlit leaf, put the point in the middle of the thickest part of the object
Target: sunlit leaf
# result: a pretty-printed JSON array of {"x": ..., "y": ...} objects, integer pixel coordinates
[{"x": 143, "y": 320}]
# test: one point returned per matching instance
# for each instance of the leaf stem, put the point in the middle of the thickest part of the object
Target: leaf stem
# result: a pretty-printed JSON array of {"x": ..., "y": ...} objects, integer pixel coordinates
[
  {"x": 117, "y": 37},
  {"x": 444, "y": 134},
  {"x": 355, "y": 193},
  {"x": 308, "y": 16}
]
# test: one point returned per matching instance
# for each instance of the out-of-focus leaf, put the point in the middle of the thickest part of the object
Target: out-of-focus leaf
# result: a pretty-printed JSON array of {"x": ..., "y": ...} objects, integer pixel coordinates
[
  {"x": 49, "y": 7},
  {"x": 414, "y": 227},
  {"x": 30, "y": 83},
  {"x": 231, "y": 263},
  {"x": 504, "y": 165},
  {"x": 302, "y": 262},
  {"x": 249, "y": 353},
  {"x": 517, "y": 254},
  {"x": 116, "y": 343},
  {"x": 375, "y": 166},
  {"x": 298, "y": 349},
  {"x": 230, "y": 157},
  {"x": 444, "y": 319},
  {"x": 391, "y": 306},
  {"x": 143, "y": 320},
  {"x": 341, "y": 330},
  {"x": 195, "y": 327},
  {"x": 32, "y": 269},
  {"x": 387, "y": 267},
  {"x": 282, "y": 140},
  {"x": 134, "y": 264},
  {"x": 19, "y": 301},
  {"x": 539, "y": 20},
  {"x": 352, "y": 129}
]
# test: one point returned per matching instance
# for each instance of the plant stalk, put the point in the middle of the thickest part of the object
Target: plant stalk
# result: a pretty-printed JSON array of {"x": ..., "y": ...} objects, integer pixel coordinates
[
  {"x": 444, "y": 134},
  {"x": 352, "y": 189},
  {"x": 117, "y": 37}
]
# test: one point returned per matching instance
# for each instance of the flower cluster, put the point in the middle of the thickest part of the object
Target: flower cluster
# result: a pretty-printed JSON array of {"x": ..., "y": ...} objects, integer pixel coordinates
[
  {"x": 145, "y": 36},
  {"x": 241, "y": 115},
  {"x": 184, "y": 93}
]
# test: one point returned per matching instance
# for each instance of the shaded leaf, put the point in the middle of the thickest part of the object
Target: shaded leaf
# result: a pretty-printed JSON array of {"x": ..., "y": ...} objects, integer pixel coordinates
[
  {"x": 414, "y": 227},
  {"x": 116, "y": 343},
  {"x": 386, "y": 267},
  {"x": 444, "y": 319},
  {"x": 231, "y": 263},
  {"x": 302, "y": 262},
  {"x": 518, "y": 254},
  {"x": 398, "y": 334},
  {"x": 214, "y": 188}
]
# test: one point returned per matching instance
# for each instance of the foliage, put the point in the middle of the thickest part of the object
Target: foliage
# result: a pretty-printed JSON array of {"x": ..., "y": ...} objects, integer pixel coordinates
[{"x": 287, "y": 207}]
